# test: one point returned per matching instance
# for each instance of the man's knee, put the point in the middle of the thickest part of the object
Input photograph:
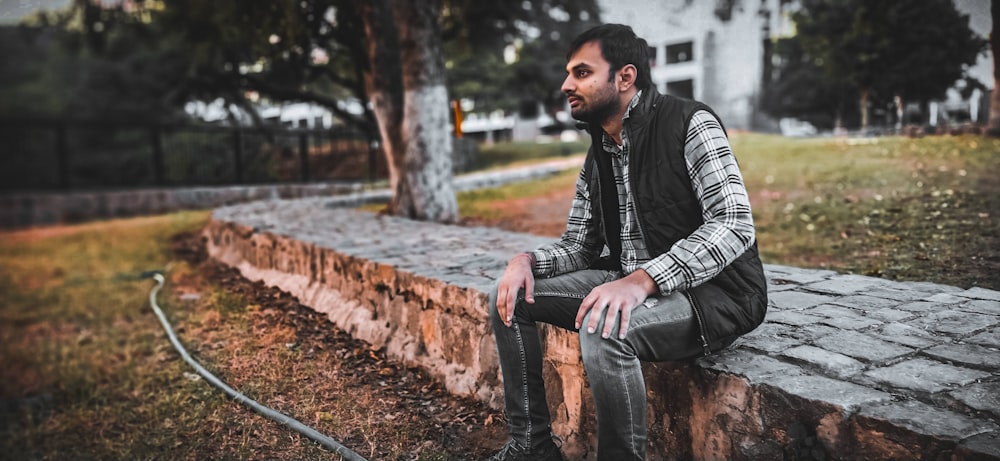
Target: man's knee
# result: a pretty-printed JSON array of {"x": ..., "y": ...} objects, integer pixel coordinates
[{"x": 594, "y": 348}]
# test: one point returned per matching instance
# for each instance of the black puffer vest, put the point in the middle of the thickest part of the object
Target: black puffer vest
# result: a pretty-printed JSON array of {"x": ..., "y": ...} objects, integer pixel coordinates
[{"x": 732, "y": 303}]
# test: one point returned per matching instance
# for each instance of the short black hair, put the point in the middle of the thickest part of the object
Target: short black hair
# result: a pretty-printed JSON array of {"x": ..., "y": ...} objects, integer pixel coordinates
[{"x": 620, "y": 47}]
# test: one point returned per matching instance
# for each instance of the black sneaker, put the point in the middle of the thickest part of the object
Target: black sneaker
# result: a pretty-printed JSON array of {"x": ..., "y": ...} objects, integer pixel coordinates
[{"x": 512, "y": 451}]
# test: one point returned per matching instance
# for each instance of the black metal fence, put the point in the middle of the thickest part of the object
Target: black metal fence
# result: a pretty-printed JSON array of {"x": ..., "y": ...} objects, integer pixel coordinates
[{"x": 39, "y": 155}]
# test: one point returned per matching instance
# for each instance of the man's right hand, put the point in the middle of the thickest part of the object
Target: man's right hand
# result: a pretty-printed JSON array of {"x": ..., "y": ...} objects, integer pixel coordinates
[{"x": 518, "y": 275}]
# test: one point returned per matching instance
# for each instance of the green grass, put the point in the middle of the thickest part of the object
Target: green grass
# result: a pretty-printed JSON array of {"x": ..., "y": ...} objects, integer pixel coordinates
[
  {"x": 901, "y": 208},
  {"x": 79, "y": 352},
  {"x": 88, "y": 373},
  {"x": 507, "y": 154}
]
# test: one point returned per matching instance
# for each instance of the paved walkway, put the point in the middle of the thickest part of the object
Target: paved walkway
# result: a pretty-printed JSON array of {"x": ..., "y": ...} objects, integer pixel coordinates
[{"x": 912, "y": 361}]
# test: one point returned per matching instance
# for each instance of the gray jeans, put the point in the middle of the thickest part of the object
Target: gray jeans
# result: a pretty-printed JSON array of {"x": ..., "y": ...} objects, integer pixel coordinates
[{"x": 661, "y": 329}]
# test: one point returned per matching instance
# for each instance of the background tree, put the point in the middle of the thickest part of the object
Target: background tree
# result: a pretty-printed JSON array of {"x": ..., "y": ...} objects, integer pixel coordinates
[
  {"x": 537, "y": 32},
  {"x": 149, "y": 58},
  {"x": 801, "y": 89},
  {"x": 994, "y": 121},
  {"x": 405, "y": 82},
  {"x": 888, "y": 49}
]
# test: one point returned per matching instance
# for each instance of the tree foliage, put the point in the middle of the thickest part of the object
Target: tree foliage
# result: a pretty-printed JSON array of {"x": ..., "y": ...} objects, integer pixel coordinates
[
  {"x": 147, "y": 59},
  {"x": 883, "y": 50},
  {"x": 154, "y": 56},
  {"x": 478, "y": 33}
]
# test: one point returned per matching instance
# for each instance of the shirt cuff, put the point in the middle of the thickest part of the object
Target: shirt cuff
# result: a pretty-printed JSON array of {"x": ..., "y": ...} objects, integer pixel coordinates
[
  {"x": 544, "y": 263},
  {"x": 661, "y": 274}
]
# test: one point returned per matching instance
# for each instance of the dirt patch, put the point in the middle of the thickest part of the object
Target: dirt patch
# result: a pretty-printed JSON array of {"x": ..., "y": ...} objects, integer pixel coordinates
[
  {"x": 349, "y": 389},
  {"x": 543, "y": 215}
]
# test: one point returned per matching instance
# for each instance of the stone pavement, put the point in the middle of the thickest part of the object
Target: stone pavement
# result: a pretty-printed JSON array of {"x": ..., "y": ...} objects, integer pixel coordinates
[{"x": 845, "y": 366}]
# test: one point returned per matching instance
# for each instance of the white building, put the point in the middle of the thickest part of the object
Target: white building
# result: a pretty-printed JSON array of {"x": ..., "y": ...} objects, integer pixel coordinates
[{"x": 714, "y": 50}]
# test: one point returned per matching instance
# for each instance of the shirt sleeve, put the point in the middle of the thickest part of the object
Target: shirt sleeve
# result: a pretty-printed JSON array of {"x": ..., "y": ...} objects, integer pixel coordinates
[
  {"x": 728, "y": 228},
  {"x": 579, "y": 245}
]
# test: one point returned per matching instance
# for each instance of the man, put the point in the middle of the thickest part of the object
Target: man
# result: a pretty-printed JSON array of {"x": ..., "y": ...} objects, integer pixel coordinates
[{"x": 658, "y": 262}]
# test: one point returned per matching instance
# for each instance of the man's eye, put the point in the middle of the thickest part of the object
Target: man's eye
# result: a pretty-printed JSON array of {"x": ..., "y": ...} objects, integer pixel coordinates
[{"x": 582, "y": 73}]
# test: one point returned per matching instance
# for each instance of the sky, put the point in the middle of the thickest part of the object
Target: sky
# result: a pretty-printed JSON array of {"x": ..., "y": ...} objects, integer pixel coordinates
[
  {"x": 12, "y": 10},
  {"x": 978, "y": 11}
]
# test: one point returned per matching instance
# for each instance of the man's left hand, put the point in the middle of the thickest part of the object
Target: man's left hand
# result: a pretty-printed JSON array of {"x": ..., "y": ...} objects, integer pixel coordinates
[{"x": 616, "y": 299}]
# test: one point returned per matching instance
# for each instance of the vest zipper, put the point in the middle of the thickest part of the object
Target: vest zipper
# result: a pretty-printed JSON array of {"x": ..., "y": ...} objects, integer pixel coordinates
[
  {"x": 701, "y": 323},
  {"x": 638, "y": 222}
]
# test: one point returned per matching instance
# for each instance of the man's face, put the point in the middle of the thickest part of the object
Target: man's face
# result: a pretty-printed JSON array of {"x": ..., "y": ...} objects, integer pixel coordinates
[{"x": 592, "y": 97}]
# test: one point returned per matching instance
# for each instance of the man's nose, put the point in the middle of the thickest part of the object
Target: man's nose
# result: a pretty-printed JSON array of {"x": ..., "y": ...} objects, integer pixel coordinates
[{"x": 568, "y": 86}]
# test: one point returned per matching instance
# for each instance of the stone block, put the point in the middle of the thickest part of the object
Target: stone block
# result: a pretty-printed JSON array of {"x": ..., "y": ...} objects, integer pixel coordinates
[
  {"x": 757, "y": 368},
  {"x": 866, "y": 302},
  {"x": 944, "y": 298},
  {"x": 811, "y": 333},
  {"x": 984, "y": 396},
  {"x": 830, "y": 363},
  {"x": 797, "y": 300},
  {"x": 769, "y": 344},
  {"x": 955, "y": 323},
  {"x": 862, "y": 346},
  {"x": 842, "y": 317},
  {"x": 924, "y": 419},
  {"x": 796, "y": 276},
  {"x": 778, "y": 287},
  {"x": 981, "y": 306},
  {"x": 770, "y": 330},
  {"x": 980, "y": 293},
  {"x": 980, "y": 447},
  {"x": 966, "y": 354},
  {"x": 989, "y": 338},
  {"x": 909, "y": 336},
  {"x": 845, "y": 395},
  {"x": 924, "y": 375},
  {"x": 921, "y": 306},
  {"x": 889, "y": 314},
  {"x": 930, "y": 287},
  {"x": 845, "y": 285},
  {"x": 896, "y": 293},
  {"x": 793, "y": 318}
]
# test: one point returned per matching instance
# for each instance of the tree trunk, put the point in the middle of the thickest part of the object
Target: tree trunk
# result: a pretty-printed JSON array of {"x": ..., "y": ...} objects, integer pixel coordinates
[
  {"x": 994, "y": 122},
  {"x": 863, "y": 102},
  {"x": 406, "y": 84}
]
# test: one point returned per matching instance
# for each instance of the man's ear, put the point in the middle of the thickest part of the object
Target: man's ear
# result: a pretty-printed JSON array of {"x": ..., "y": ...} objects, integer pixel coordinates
[{"x": 627, "y": 76}]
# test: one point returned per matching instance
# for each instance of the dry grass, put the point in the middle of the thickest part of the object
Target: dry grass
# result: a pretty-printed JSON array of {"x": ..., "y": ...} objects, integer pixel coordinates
[
  {"x": 88, "y": 373},
  {"x": 899, "y": 208}
]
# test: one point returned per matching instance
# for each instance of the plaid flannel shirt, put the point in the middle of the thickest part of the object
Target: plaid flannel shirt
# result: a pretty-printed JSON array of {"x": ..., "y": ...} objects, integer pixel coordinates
[{"x": 727, "y": 231}]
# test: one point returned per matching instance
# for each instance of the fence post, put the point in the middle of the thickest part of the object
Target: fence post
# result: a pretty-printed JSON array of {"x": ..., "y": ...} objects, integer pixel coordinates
[
  {"x": 304, "y": 155},
  {"x": 156, "y": 139},
  {"x": 238, "y": 154},
  {"x": 62, "y": 155}
]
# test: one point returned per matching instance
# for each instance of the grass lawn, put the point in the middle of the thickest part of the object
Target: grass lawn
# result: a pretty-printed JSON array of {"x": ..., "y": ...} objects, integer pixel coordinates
[
  {"x": 87, "y": 373},
  {"x": 905, "y": 209}
]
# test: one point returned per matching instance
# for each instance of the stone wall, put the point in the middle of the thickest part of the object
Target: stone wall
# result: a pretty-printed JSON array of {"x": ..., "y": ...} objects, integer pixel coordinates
[
  {"x": 25, "y": 209},
  {"x": 846, "y": 367}
]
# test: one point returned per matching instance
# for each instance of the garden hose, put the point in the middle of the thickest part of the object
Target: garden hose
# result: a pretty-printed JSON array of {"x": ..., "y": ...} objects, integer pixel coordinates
[{"x": 292, "y": 423}]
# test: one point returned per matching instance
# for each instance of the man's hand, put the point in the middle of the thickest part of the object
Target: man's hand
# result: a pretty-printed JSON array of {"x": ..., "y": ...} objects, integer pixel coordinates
[
  {"x": 616, "y": 299},
  {"x": 518, "y": 275}
]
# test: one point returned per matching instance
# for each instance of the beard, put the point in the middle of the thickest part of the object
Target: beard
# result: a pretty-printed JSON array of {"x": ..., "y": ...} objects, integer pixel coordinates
[{"x": 598, "y": 109}]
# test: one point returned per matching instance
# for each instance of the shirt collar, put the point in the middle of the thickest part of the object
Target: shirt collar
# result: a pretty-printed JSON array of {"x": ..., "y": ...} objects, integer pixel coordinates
[
  {"x": 631, "y": 105},
  {"x": 610, "y": 145}
]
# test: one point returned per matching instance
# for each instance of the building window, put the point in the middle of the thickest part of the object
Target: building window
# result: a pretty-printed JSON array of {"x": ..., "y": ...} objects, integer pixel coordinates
[
  {"x": 681, "y": 88},
  {"x": 653, "y": 55},
  {"x": 680, "y": 52}
]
